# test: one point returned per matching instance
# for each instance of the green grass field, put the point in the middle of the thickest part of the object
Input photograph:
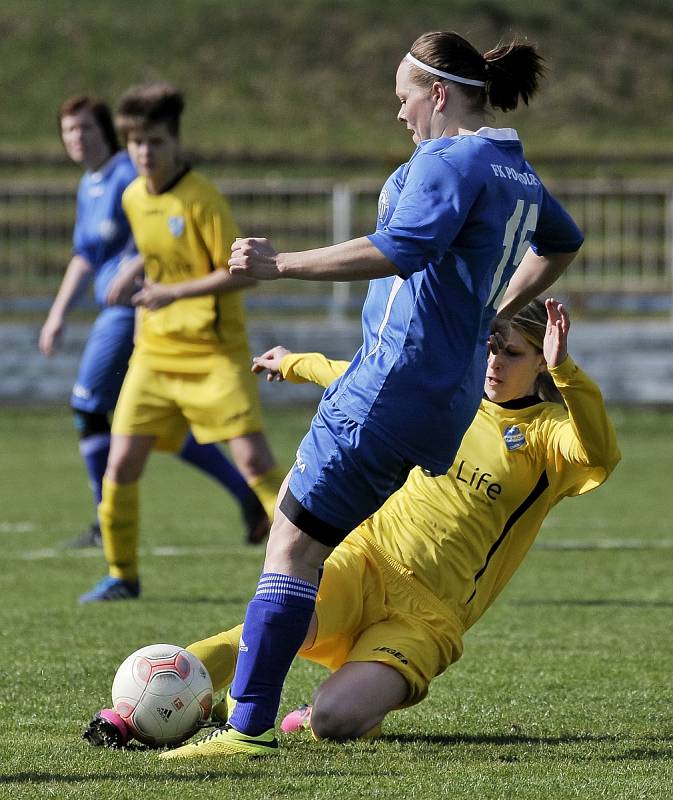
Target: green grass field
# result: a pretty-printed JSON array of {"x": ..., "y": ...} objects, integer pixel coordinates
[{"x": 564, "y": 690}]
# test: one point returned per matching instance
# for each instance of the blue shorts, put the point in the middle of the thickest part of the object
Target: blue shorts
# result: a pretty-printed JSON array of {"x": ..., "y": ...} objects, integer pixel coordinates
[
  {"x": 342, "y": 475},
  {"x": 104, "y": 362}
]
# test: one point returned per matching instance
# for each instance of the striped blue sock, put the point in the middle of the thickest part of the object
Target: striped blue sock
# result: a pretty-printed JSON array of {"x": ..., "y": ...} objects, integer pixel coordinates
[{"x": 275, "y": 626}]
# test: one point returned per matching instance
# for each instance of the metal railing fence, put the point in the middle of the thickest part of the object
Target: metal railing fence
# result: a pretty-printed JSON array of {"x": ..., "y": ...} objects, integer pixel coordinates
[{"x": 628, "y": 227}]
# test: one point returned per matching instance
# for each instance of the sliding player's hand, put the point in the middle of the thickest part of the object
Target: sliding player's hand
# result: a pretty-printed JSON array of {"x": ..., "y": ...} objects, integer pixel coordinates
[
  {"x": 255, "y": 258},
  {"x": 270, "y": 361},
  {"x": 555, "y": 345}
]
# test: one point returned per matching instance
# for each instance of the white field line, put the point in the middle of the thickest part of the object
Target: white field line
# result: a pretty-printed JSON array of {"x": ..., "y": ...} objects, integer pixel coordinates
[
  {"x": 47, "y": 553},
  {"x": 178, "y": 551}
]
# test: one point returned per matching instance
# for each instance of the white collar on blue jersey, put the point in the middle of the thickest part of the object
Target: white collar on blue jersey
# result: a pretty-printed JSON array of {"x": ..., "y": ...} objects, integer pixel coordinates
[{"x": 501, "y": 134}]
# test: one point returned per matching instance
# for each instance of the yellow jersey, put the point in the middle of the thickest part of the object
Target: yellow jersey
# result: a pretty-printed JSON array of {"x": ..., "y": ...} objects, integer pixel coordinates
[
  {"x": 184, "y": 234},
  {"x": 464, "y": 534}
]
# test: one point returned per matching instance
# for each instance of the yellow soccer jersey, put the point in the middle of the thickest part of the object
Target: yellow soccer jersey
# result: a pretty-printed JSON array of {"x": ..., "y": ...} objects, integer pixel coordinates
[
  {"x": 464, "y": 534},
  {"x": 183, "y": 234}
]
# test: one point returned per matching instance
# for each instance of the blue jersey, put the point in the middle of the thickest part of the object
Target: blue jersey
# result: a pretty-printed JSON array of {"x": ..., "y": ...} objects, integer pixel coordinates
[
  {"x": 102, "y": 233},
  {"x": 455, "y": 220}
]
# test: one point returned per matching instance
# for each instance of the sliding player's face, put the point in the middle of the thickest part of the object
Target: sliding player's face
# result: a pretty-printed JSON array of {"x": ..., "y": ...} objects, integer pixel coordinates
[
  {"x": 416, "y": 104},
  {"x": 155, "y": 152},
  {"x": 513, "y": 371},
  {"x": 83, "y": 139}
]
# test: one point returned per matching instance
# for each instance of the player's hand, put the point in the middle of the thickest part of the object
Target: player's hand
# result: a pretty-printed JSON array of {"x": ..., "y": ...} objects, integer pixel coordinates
[
  {"x": 555, "y": 344},
  {"x": 255, "y": 258},
  {"x": 121, "y": 289},
  {"x": 270, "y": 361},
  {"x": 154, "y": 295},
  {"x": 50, "y": 336},
  {"x": 501, "y": 330}
]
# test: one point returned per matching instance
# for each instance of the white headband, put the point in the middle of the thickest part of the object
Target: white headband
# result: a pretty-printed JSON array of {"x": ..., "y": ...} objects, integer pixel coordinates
[{"x": 447, "y": 75}]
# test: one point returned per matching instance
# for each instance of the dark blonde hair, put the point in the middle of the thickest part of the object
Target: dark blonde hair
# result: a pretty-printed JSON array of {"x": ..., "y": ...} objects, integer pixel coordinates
[
  {"x": 531, "y": 323},
  {"x": 511, "y": 71},
  {"x": 148, "y": 104}
]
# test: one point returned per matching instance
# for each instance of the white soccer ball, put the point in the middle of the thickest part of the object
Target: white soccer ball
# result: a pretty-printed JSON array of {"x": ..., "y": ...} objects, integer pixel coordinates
[{"x": 162, "y": 692}]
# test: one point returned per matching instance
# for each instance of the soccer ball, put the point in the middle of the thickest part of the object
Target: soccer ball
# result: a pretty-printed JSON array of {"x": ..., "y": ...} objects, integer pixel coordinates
[{"x": 162, "y": 692}]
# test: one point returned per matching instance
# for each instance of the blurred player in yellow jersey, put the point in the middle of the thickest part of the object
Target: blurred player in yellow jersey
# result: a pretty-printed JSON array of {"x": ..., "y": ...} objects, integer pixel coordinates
[
  {"x": 190, "y": 366},
  {"x": 398, "y": 593}
]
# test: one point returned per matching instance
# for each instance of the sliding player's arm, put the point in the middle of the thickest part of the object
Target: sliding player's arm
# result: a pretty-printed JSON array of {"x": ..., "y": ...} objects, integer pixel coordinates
[{"x": 586, "y": 438}]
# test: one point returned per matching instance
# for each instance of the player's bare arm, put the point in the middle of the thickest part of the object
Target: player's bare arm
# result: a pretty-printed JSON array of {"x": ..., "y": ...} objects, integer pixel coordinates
[
  {"x": 126, "y": 281},
  {"x": 157, "y": 295},
  {"x": 75, "y": 280},
  {"x": 534, "y": 275},
  {"x": 357, "y": 259}
]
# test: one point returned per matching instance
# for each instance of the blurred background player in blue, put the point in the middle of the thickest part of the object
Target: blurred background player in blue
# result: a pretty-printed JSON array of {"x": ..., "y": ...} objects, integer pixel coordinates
[
  {"x": 453, "y": 225},
  {"x": 103, "y": 249}
]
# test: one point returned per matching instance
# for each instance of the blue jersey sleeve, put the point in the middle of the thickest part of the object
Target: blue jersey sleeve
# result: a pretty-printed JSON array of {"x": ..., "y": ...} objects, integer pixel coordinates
[
  {"x": 432, "y": 207},
  {"x": 556, "y": 231}
]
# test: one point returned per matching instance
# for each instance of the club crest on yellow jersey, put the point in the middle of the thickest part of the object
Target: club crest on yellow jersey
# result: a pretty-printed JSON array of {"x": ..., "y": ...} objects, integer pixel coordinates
[
  {"x": 176, "y": 225},
  {"x": 514, "y": 438}
]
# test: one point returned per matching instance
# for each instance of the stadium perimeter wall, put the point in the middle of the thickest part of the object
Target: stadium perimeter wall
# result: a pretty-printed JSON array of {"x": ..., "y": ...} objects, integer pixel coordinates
[{"x": 631, "y": 360}]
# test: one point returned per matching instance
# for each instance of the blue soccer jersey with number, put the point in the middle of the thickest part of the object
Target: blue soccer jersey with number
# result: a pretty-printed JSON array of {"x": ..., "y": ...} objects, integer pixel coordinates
[
  {"x": 102, "y": 233},
  {"x": 455, "y": 220}
]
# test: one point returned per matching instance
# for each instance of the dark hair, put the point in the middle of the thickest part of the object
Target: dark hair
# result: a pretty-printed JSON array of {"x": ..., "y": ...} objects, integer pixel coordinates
[
  {"x": 148, "y": 104},
  {"x": 531, "y": 323},
  {"x": 510, "y": 72},
  {"x": 100, "y": 111}
]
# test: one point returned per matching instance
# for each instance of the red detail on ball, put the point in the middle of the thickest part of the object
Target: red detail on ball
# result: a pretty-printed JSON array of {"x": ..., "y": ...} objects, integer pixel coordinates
[
  {"x": 183, "y": 666},
  {"x": 142, "y": 669},
  {"x": 124, "y": 709}
]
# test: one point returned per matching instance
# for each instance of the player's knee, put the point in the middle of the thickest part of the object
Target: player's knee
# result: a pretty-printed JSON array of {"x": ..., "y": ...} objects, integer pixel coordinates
[
  {"x": 89, "y": 423},
  {"x": 331, "y": 718}
]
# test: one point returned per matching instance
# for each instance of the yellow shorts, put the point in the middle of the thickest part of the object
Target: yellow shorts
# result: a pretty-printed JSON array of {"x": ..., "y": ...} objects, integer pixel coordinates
[
  {"x": 371, "y": 608},
  {"x": 218, "y": 405}
]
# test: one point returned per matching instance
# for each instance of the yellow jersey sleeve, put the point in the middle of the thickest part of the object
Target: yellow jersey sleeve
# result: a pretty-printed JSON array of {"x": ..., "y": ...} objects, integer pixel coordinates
[
  {"x": 311, "y": 368},
  {"x": 586, "y": 438}
]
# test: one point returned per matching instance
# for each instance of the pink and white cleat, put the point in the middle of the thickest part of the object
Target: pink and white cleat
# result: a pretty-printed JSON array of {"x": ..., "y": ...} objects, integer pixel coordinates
[
  {"x": 107, "y": 729},
  {"x": 297, "y": 720}
]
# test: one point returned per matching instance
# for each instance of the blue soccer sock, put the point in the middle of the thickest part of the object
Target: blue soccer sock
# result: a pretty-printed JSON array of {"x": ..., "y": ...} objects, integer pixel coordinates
[
  {"x": 211, "y": 460},
  {"x": 94, "y": 451},
  {"x": 275, "y": 626}
]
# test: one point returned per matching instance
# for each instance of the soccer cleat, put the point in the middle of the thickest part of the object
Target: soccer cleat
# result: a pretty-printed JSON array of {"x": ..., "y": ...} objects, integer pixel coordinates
[
  {"x": 227, "y": 741},
  {"x": 107, "y": 729},
  {"x": 257, "y": 524},
  {"x": 90, "y": 538},
  {"x": 110, "y": 588},
  {"x": 299, "y": 720}
]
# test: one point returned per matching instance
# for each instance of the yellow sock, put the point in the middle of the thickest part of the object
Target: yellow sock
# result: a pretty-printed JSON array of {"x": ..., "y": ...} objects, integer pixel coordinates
[
  {"x": 218, "y": 654},
  {"x": 266, "y": 488},
  {"x": 118, "y": 517}
]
